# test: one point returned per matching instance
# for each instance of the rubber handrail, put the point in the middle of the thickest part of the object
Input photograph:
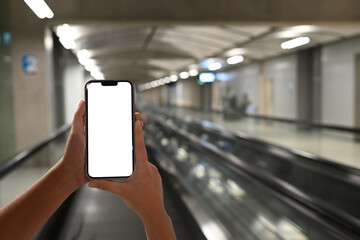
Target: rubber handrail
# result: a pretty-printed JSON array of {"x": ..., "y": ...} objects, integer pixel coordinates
[{"x": 24, "y": 155}]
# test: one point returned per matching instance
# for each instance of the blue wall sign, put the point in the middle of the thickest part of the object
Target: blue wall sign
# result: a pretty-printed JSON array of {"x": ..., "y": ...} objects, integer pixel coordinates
[{"x": 29, "y": 64}]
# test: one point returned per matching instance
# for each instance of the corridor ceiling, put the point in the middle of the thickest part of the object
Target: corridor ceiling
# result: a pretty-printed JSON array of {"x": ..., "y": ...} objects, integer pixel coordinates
[{"x": 146, "y": 53}]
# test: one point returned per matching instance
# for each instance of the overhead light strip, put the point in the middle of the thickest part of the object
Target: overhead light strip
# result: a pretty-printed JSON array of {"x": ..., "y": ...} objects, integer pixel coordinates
[
  {"x": 214, "y": 66},
  {"x": 66, "y": 36},
  {"x": 40, "y": 8},
  {"x": 296, "y": 42},
  {"x": 235, "y": 59}
]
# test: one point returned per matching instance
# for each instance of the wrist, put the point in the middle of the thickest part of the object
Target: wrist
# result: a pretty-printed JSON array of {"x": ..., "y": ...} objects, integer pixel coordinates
[
  {"x": 72, "y": 174},
  {"x": 155, "y": 215}
]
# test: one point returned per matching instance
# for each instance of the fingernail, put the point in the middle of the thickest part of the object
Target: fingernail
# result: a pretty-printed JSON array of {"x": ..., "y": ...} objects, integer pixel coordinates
[
  {"x": 142, "y": 124},
  {"x": 139, "y": 123},
  {"x": 79, "y": 103}
]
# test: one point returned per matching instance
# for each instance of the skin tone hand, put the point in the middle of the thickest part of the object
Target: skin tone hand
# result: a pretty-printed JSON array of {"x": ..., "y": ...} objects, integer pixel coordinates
[
  {"x": 74, "y": 155},
  {"x": 22, "y": 217},
  {"x": 143, "y": 191}
]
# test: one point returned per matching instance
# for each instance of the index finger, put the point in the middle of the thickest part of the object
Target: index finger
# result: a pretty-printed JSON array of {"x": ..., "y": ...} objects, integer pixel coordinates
[{"x": 140, "y": 149}]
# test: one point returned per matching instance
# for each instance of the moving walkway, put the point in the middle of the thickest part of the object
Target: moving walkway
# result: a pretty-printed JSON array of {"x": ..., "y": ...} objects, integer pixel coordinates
[
  {"x": 323, "y": 187},
  {"x": 217, "y": 185}
]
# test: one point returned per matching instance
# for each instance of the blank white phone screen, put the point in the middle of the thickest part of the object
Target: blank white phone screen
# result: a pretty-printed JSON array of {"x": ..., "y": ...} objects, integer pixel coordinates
[{"x": 109, "y": 129}]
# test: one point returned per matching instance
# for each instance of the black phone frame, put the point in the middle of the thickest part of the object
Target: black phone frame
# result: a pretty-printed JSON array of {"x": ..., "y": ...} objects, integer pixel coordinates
[{"x": 109, "y": 83}]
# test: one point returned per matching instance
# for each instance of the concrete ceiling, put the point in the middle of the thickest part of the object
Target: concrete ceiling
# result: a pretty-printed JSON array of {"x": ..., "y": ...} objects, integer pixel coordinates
[
  {"x": 149, "y": 52},
  {"x": 145, "y": 40},
  {"x": 195, "y": 11}
]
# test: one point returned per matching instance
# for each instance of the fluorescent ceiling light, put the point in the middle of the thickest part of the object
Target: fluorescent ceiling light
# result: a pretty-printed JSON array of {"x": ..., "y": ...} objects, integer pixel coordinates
[
  {"x": 97, "y": 75},
  {"x": 83, "y": 56},
  {"x": 236, "y": 52},
  {"x": 90, "y": 65},
  {"x": 174, "y": 78},
  {"x": 184, "y": 75},
  {"x": 40, "y": 8},
  {"x": 214, "y": 66},
  {"x": 159, "y": 83},
  {"x": 193, "y": 72},
  {"x": 68, "y": 43},
  {"x": 66, "y": 36},
  {"x": 235, "y": 59},
  {"x": 296, "y": 42},
  {"x": 207, "y": 77},
  {"x": 167, "y": 80}
]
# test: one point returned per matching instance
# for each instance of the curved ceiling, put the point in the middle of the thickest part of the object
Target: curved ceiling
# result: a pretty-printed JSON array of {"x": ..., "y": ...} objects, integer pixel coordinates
[{"x": 146, "y": 53}]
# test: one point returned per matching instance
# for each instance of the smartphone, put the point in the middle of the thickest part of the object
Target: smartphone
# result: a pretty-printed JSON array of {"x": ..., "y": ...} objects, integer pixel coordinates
[{"x": 109, "y": 129}]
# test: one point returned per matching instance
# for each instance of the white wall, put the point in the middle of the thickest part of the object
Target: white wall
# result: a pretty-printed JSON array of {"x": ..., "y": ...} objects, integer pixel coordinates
[
  {"x": 187, "y": 93},
  {"x": 245, "y": 80},
  {"x": 216, "y": 103},
  {"x": 338, "y": 82},
  {"x": 32, "y": 100},
  {"x": 280, "y": 75},
  {"x": 150, "y": 96},
  {"x": 282, "y": 72},
  {"x": 74, "y": 82}
]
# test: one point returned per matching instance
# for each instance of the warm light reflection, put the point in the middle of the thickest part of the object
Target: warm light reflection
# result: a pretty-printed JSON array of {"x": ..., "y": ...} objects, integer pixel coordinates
[
  {"x": 235, "y": 190},
  {"x": 181, "y": 154},
  {"x": 215, "y": 185},
  {"x": 199, "y": 171}
]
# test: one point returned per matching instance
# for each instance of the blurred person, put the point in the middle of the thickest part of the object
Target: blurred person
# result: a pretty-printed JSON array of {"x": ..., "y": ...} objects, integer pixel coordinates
[
  {"x": 245, "y": 103},
  {"x": 229, "y": 103},
  {"x": 142, "y": 192}
]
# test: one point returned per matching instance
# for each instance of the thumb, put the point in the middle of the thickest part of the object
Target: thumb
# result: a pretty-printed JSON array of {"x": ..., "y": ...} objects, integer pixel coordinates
[
  {"x": 110, "y": 186},
  {"x": 78, "y": 121}
]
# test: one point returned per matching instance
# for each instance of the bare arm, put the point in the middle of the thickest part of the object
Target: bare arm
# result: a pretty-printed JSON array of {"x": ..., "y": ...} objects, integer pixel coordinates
[
  {"x": 143, "y": 192},
  {"x": 22, "y": 217}
]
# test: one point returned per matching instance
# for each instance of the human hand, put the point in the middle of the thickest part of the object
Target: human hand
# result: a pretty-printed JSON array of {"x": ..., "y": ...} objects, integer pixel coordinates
[
  {"x": 142, "y": 192},
  {"x": 74, "y": 156}
]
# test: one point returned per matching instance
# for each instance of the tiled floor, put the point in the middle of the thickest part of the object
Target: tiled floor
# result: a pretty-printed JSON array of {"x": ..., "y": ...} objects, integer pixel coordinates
[{"x": 332, "y": 145}]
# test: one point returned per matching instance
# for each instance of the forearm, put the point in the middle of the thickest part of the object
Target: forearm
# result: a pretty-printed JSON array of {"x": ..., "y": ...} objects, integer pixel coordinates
[
  {"x": 21, "y": 218},
  {"x": 159, "y": 226}
]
